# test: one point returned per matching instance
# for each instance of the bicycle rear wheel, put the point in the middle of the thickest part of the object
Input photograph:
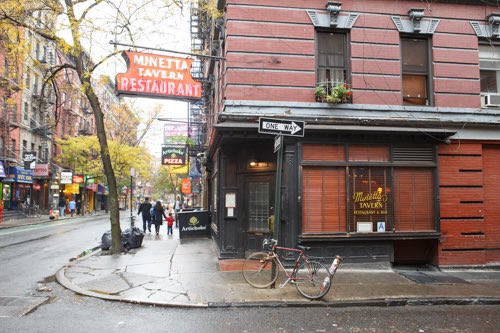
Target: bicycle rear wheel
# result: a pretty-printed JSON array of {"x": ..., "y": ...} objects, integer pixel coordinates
[
  {"x": 312, "y": 280},
  {"x": 260, "y": 271}
]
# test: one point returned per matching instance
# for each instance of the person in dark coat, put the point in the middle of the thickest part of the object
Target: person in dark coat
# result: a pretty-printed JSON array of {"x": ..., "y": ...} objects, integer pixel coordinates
[
  {"x": 159, "y": 214},
  {"x": 145, "y": 208}
]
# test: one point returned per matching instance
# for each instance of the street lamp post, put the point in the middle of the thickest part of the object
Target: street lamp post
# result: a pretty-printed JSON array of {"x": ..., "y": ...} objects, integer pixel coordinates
[{"x": 132, "y": 174}]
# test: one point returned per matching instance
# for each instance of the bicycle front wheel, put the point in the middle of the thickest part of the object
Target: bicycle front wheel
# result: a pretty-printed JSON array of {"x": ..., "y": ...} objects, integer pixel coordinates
[
  {"x": 312, "y": 280},
  {"x": 259, "y": 270}
]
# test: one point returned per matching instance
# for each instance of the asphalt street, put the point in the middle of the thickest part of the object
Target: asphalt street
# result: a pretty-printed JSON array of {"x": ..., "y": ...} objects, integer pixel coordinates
[{"x": 30, "y": 256}]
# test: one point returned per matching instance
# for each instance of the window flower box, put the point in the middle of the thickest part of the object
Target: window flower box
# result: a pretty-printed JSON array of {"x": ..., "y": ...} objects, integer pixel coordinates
[{"x": 340, "y": 93}]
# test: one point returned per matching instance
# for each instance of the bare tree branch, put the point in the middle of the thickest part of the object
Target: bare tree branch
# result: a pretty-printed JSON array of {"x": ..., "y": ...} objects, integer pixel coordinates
[
  {"x": 88, "y": 9},
  {"x": 100, "y": 62}
]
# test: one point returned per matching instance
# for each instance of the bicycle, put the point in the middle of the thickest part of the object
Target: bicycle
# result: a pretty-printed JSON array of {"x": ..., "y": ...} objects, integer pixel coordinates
[{"x": 311, "y": 278}]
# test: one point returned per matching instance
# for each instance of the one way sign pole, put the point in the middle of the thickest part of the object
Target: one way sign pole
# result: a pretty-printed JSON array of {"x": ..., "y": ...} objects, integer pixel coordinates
[{"x": 281, "y": 126}]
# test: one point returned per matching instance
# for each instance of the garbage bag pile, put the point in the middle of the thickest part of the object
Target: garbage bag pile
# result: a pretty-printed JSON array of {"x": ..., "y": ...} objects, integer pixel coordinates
[{"x": 131, "y": 239}]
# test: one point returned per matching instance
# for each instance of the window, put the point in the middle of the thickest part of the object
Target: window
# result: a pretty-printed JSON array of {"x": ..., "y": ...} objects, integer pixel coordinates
[
  {"x": 370, "y": 197},
  {"x": 324, "y": 205},
  {"x": 489, "y": 67},
  {"x": 373, "y": 186},
  {"x": 331, "y": 59},
  {"x": 26, "y": 111},
  {"x": 25, "y": 145},
  {"x": 258, "y": 206},
  {"x": 415, "y": 71},
  {"x": 28, "y": 79}
]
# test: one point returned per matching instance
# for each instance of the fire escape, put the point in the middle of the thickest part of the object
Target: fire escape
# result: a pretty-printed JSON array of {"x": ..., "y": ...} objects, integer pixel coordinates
[{"x": 9, "y": 120}]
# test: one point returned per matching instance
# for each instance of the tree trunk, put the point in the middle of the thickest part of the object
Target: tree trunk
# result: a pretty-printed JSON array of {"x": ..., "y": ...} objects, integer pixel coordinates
[
  {"x": 85, "y": 76},
  {"x": 108, "y": 169}
]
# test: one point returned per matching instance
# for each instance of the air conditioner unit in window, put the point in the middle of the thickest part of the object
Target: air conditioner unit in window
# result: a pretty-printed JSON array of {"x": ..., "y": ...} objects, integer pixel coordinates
[{"x": 490, "y": 100}]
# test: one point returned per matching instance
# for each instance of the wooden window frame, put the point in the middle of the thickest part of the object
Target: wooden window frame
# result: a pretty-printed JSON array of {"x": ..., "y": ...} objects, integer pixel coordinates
[
  {"x": 391, "y": 168},
  {"x": 405, "y": 72},
  {"x": 345, "y": 52}
]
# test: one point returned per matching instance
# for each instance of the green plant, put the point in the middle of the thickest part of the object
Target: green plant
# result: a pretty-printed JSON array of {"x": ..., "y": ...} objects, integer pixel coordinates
[
  {"x": 341, "y": 93},
  {"x": 320, "y": 93}
]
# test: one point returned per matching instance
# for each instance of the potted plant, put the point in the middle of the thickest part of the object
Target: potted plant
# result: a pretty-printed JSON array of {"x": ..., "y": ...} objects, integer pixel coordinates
[
  {"x": 341, "y": 93},
  {"x": 320, "y": 93}
]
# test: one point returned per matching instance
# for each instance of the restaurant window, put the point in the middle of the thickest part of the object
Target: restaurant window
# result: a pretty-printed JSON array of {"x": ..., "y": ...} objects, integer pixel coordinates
[
  {"x": 370, "y": 199},
  {"x": 324, "y": 205},
  {"x": 331, "y": 59},
  {"x": 414, "y": 199},
  {"x": 378, "y": 189},
  {"x": 415, "y": 71}
]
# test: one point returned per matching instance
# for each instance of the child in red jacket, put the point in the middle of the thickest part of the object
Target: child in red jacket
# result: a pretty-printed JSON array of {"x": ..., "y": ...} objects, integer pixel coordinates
[{"x": 170, "y": 223}]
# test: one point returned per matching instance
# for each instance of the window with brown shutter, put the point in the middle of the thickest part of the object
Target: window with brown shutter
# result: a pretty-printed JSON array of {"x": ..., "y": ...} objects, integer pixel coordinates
[
  {"x": 368, "y": 153},
  {"x": 414, "y": 199},
  {"x": 323, "y": 152},
  {"x": 323, "y": 207}
]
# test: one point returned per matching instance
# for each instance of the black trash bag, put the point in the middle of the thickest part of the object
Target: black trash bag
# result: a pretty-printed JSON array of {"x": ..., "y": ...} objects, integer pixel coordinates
[
  {"x": 132, "y": 238},
  {"x": 106, "y": 240}
]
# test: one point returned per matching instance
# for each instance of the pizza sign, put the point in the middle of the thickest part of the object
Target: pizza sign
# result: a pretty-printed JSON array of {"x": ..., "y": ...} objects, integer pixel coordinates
[{"x": 173, "y": 155}]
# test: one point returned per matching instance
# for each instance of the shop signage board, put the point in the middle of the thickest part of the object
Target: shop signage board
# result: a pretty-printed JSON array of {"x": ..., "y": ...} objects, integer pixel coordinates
[
  {"x": 20, "y": 175},
  {"x": 186, "y": 186},
  {"x": 29, "y": 159},
  {"x": 173, "y": 155},
  {"x": 41, "y": 170},
  {"x": 155, "y": 75},
  {"x": 194, "y": 224},
  {"x": 66, "y": 177},
  {"x": 281, "y": 126},
  {"x": 175, "y": 134},
  {"x": 2, "y": 170},
  {"x": 78, "y": 179}
]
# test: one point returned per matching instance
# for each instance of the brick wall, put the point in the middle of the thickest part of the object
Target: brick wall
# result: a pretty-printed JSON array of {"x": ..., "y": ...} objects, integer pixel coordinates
[
  {"x": 470, "y": 201},
  {"x": 270, "y": 50}
]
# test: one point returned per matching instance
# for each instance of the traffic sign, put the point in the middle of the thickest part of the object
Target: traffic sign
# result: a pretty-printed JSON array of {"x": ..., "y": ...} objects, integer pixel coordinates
[{"x": 281, "y": 126}]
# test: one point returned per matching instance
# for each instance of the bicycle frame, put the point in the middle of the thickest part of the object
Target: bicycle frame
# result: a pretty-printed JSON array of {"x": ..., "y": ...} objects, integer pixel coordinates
[{"x": 290, "y": 276}]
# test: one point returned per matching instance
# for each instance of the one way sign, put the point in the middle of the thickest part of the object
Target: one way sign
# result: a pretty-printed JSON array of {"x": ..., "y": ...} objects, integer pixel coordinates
[{"x": 281, "y": 126}]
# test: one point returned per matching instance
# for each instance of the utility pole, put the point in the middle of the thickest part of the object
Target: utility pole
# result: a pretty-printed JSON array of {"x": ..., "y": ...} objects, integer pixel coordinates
[{"x": 132, "y": 174}]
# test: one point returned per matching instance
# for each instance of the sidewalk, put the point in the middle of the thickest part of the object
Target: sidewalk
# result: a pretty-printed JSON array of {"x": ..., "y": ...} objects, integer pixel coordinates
[
  {"x": 167, "y": 271},
  {"x": 43, "y": 218}
]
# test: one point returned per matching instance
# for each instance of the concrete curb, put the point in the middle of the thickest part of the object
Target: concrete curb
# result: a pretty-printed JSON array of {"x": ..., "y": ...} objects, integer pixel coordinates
[
  {"x": 380, "y": 302},
  {"x": 3, "y": 226},
  {"x": 377, "y": 302}
]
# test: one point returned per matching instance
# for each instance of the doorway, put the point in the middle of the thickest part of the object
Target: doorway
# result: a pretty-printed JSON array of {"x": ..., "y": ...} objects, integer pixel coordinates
[{"x": 257, "y": 201}]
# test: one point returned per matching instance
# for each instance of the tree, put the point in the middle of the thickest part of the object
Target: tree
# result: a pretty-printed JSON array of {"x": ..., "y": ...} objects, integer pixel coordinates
[
  {"x": 84, "y": 35},
  {"x": 167, "y": 181}
]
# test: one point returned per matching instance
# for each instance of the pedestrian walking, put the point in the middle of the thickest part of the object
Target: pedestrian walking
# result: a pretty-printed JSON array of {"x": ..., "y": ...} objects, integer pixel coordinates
[
  {"x": 177, "y": 208},
  {"x": 145, "y": 209},
  {"x": 62, "y": 206},
  {"x": 157, "y": 216},
  {"x": 78, "y": 207},
  {"x": 72, "y": 207},
  {"x": 170, "y": 224}
]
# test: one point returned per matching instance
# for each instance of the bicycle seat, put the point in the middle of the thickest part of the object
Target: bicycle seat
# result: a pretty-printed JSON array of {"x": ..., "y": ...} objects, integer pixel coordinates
[{"x": 304, "y": 248}]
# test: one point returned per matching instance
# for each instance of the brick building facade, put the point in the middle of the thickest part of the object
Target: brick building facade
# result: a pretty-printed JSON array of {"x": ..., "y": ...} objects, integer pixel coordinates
[{"x": 401, "y": 170}]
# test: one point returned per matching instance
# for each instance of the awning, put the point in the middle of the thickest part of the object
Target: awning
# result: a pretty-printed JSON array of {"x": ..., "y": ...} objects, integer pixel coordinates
[
  {"x": 438, "y": 133},
  {"x": 2, "y": 170}
]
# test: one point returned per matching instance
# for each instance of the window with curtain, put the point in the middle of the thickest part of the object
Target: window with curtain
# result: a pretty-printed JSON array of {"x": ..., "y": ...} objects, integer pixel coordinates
[
  {"x": 415, "y": 71},
  {"x": 331, "y": 59}
]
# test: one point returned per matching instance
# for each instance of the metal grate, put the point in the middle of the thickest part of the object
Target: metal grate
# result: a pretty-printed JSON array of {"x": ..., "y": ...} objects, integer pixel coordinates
[{"x": 412, "y": 154}]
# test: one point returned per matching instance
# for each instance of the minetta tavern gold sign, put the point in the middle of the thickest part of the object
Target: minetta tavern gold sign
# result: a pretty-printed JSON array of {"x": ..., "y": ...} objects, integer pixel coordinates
[
  {"x": 366, "y": 203},
  {"x": 156, "y": 75}
]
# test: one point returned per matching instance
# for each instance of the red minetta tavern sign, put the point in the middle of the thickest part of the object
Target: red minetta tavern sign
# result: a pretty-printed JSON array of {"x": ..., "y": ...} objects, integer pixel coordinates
[{"x": 156, "y": 75}]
